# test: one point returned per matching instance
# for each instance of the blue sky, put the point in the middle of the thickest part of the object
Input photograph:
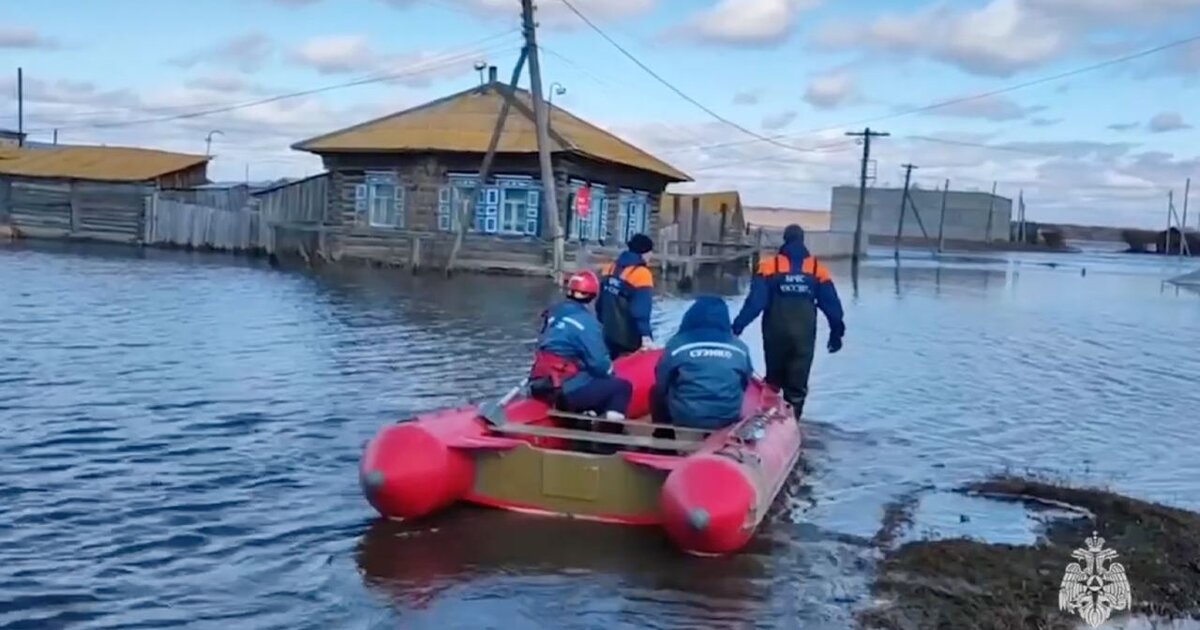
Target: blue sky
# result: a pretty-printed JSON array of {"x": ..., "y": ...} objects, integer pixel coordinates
[{"x": 1098, "y": 147}]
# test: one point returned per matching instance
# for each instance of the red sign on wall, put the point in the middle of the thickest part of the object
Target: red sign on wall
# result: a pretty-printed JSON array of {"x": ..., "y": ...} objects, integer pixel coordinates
[{"x": 583, "y": 201}]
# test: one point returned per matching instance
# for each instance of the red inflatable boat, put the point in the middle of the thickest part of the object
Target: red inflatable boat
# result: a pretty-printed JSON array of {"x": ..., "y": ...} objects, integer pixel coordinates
[{"x": 708, "y": 491}]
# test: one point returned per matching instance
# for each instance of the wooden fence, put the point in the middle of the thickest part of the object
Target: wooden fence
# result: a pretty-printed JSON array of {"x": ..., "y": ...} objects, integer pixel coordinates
[
  {"x": 179, "y": 224},
  {"x": 295, "y": 207},
  {"x": 59, "y": 208}
]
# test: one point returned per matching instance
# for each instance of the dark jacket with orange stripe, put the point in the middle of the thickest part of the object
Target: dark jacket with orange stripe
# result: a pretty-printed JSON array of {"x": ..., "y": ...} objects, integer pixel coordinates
[
  {"x": 626, "y": 296},
  {"x": 793, "y": 275}
]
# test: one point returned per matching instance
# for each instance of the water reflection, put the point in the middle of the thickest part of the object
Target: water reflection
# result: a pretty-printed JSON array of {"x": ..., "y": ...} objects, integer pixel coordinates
[{"x": 182, "y": 433}]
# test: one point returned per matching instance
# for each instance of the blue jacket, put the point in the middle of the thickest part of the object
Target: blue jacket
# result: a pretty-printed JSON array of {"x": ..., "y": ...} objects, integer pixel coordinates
[
  {"x": 572, "y": 332},
  {"x": 771, "y": 280},
  {"x": 704, "y": 371},
  {"x": 628, "y": 276}
]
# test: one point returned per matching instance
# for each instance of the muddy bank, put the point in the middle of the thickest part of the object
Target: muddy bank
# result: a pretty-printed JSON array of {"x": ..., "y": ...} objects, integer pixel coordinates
[{"x": 964, "y": 583}]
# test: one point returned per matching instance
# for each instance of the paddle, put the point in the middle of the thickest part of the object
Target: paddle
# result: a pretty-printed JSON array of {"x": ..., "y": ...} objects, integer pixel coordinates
[{"x": 493, "y": 412}]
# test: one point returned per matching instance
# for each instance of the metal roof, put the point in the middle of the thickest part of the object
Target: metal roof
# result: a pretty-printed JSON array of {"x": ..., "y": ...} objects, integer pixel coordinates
[
  {"x": 116, "y": 164},
  {"x": 463, "y": 122}
]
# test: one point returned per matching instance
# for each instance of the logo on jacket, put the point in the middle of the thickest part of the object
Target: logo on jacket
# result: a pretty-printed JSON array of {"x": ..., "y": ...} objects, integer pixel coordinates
[
  {"x": 1094, "y": 591},
  {"x": 710, "y": 353}
]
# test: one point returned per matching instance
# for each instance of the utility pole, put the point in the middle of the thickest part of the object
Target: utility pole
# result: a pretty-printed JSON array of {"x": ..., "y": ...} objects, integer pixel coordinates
[
  {"x": 908, "y": 169},
  {"x": 485, "y": 169},
  {"x": 1187, "y": 192},
  {"x": 942, "y": 218},
  {"x": 20, "y": 108},
  {"x": 542, "y": 118},
  {"x": 991, "y": 206},
  {"x": 866, "y": 135},
  {"x": 56, "y": 135}
]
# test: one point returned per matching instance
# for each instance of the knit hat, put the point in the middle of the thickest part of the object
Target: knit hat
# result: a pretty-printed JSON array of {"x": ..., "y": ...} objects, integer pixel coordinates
[
  {"x": 793, "y": 233},
  {"x": 640, "y": 244}
]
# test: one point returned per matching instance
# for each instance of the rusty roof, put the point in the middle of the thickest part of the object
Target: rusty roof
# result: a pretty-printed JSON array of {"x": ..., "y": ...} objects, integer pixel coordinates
[
  {"x": 464, "y": 122},
  {"x": 710, "y": 202},
  {"x": 111, "y": 164},
  {"x": 768, "y": 217}
]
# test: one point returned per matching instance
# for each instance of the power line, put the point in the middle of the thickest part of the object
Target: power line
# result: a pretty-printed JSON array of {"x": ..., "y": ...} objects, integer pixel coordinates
[
  {"x": 955, "y": 101},
  {"x": 978, "y": 145},
  {"x": 670, "y": 86},
  {"x": 416, "y": 69}
]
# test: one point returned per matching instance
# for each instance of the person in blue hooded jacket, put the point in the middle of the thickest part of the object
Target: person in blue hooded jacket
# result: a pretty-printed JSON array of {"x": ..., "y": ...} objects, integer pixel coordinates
[
  {"x": 787, "y": 290},
  {"x": 571, "y": 364},
  {"x": 626, "y": 298},
  {"x": 702, "y": 375}
]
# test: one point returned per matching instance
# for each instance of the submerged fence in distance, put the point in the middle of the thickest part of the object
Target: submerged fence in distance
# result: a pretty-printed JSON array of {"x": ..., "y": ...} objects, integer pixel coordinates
[{"x": 189, "y": 225}]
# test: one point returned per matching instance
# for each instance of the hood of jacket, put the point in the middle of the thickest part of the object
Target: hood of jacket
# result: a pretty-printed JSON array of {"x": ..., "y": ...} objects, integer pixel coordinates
[
  {"x": 797, "y": 251},
  {"x": 707, "y": 313},
  {"x": 630, "y": 258}
]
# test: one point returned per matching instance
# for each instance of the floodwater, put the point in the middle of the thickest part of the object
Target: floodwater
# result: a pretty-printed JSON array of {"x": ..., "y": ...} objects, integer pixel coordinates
[{"x": 179, "y": 437}]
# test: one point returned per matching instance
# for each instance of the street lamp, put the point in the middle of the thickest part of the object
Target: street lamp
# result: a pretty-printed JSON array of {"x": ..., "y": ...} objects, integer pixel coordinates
[
  {"x": 208, "y": 142},
  {"x": 556, "y": 88}
]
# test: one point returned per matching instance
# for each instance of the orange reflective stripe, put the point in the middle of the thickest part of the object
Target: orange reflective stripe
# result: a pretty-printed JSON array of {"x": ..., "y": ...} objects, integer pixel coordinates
[
  {"x": 783, "y": 264},
  {"x": 638, "y": 277},
  {"x": 773, "y": 265},
  {"x": 814, "y": 268},
  {"x": 608, "y": 269}
]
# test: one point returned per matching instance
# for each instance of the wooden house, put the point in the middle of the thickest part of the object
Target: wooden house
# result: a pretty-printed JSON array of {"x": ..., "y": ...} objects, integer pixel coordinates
[
  {"x": 719, "y": 215},
  {"x": 400, "y": 182},
  {"x": 89, "y": 192}
]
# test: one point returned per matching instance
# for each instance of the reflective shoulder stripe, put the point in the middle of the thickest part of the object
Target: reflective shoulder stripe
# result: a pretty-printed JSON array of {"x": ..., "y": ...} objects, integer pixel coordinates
[
  {"x": 572, "y": 321},
  {"x": 773, "y": 265},
  {"x": 707, "y": 344},
  {"x": 638, "y": 277},
  {"x": 607, "y": 269},
  {"x": 814, "y": 268}
]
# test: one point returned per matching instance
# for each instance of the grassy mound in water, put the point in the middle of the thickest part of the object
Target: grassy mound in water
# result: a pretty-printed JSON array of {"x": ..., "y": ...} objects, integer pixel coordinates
[{"x": 970, "y": 584}]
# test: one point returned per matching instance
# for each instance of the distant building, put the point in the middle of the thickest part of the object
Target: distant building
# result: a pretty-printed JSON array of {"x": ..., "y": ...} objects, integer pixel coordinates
[
  {"x": 970, "y": 216},
  {"x": 89, "y": 191},
  {"x": 719, "y": 214},
  {"x": 406, "y": 178},
  {"x": 10, "y": 138}
]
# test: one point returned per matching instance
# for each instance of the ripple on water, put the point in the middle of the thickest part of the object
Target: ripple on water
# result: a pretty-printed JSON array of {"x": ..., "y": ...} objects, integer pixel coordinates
[{"x": 182, "y": 433}]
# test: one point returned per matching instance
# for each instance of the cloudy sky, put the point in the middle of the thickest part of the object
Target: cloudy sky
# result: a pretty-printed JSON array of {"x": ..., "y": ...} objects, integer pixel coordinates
[{"x": 787, "y": 76}]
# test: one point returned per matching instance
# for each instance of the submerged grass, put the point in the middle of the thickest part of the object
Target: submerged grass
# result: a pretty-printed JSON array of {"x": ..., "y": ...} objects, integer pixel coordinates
[{"x": 971, "y": 584}]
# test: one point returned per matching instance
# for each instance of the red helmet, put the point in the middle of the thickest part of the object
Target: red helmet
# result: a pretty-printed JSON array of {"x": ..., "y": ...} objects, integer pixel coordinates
[{"x": 583, "y": 284}]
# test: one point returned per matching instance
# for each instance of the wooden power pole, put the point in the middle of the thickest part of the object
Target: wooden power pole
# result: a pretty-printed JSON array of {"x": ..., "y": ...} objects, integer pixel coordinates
[
  {"x": 20, "y": 107},
  {"x": 866, "y": 135},
  {"x": 542, "y": 118},
  {"x": 908, "y": 169}
]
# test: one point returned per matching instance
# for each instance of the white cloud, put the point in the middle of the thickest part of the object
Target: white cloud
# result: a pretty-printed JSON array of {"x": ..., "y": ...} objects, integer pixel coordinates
[
  {"x": 1070, "y": 181},
  {"x": 748, "y": 22},
  {"x": 995, "y": 108},
  {"x": 1122, "y": 127},
  {"x": 337, "y": 54},
  {"x": 1167, "y": 121},
  {"x": 24, "y": 38},
  {"x": 831, "y": 90},
  {"x": 747, "y": 97},
  {"x": 775, "y": 122},
  {"x": 248, "y": 52}
]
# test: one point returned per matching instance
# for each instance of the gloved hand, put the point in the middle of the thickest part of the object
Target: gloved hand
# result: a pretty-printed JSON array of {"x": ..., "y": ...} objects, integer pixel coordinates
[{"x": 836, "y": 332}]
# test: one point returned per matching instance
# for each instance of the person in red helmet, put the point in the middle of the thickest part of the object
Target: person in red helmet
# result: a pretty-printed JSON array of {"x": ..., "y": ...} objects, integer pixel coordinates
[{"x": 571, "y": 366}]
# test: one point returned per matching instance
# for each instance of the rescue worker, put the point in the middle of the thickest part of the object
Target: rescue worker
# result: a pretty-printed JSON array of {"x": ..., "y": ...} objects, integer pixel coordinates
[
  {"x": 788, "y": 289},
  {"x": 626, "y": 299},
  {"x": 702, "y": 374},
  {"x": 571, "y": 365}
]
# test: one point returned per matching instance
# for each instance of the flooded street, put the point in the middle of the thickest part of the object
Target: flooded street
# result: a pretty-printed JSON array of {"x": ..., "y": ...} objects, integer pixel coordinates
[{"x": 181, "y": 434}]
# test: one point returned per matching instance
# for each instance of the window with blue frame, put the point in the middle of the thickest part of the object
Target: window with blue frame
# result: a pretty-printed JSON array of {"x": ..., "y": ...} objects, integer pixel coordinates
[
  {"x": 379, "y": 200},
  {"x": 593, "y": 226},
  {"x": 633, "y": 215},
  {"x": 511, "y": 206}
]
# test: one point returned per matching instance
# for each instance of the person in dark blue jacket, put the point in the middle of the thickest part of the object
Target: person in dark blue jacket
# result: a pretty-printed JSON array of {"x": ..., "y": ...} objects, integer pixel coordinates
[
  {"x": 788, "y": 289},
  {"x": 571, "y": 364},
  {"x": 626, "y": 298},
  {"x": 703, "y": 372}
]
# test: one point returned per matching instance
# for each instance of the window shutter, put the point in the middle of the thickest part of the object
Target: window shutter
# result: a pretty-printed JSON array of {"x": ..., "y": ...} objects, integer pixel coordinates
[
  {"x": 399, "y": 201},
  {"x": 533, "y": 212},
  {"x": 360, "y": 202},
  {"x": 444, "y": 209}
]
